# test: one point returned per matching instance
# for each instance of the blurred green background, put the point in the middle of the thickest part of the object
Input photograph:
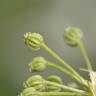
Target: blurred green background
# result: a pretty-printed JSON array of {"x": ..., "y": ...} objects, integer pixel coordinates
[{"x": 50, "y": 18}]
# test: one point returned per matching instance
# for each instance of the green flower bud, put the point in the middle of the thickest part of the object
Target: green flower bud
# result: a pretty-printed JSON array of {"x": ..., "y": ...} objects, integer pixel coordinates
[
  {"x": 56, "y": 79},
  {"x": 34, "y": 40},
  {"x": 36, "y": 82},
  {"x": 28, "y": 92},
  {"x": 72, "y": 36},
  {"x": 38, "y": 64}
]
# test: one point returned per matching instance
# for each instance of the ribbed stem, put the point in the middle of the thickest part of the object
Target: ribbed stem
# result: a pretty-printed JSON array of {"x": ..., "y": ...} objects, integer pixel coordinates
[
  {"x": 85, "y": 56},
  {"x": 68, "y": 67}
]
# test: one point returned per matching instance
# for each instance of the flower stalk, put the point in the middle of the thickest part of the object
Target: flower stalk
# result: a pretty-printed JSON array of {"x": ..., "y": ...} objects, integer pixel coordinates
[
  {"x": 66, "y": 87},
  {"x": 85, "y": 56},
  {"x": 80, "y": 80},
  {"x": 67, "y": 67}
]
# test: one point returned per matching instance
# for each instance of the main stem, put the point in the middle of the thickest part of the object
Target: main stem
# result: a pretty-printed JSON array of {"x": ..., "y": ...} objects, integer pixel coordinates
[
  {"x": 85, "y": 56},
  {"x": 68, "y": 67}
]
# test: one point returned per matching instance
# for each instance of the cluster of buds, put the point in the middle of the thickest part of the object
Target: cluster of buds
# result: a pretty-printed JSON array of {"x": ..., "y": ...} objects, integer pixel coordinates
[{"x": 53, "y": 85}]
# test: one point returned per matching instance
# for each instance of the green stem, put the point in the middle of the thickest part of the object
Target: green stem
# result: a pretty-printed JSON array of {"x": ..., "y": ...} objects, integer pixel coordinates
[
  {"x": 57, "y": 94},
  {"x": 68, "y": 67},
  {"x": 64, "y": 70},
  {"x": 65, "y": 87},
  {"x": 91, "y": 92},
  {"x": 85, "y": 56}
]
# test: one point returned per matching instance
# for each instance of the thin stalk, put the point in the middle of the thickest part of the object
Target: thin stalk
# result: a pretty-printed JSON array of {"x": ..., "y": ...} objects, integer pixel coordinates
[
  {"x": 85, "y": 56},
  {"x": 56, "y": 94},
  {"x": 68, "y": 67},
  {"x": 64, "y": 70},
  {"x": 65, "y": 87}
]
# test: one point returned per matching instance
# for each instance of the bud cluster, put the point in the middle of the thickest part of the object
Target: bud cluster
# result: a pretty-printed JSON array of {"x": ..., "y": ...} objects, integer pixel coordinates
[{"x": 53, "y": 85}]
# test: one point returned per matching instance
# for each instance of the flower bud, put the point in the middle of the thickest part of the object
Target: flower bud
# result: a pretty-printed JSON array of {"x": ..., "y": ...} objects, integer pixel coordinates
[
  {"x": 36, "y": 82},
  {"x": 38, "y": 64},
  {"x": 55, "y": 79},
  {"x": 34, "y": 40},
  {"x": 72, "y": 36},
  {"x": 28, "y": 92}
]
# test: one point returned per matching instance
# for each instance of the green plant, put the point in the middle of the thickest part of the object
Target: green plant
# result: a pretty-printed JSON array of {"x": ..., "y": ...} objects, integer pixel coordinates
[{"x": 53, "y": 85}]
